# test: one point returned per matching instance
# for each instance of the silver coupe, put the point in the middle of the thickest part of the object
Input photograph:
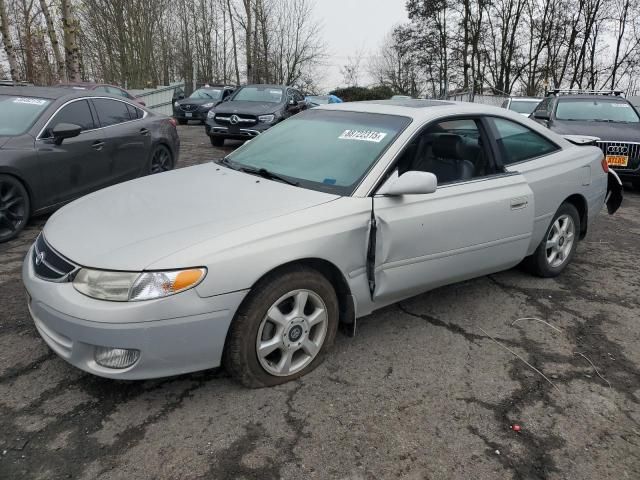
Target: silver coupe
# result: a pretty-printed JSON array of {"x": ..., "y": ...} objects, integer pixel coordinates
[{"x": 254, "y": 260}]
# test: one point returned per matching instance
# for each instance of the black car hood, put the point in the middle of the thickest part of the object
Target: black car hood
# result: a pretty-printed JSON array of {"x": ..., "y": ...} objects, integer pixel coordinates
[
  {"x": 197, "y": 101},
  {"x": 251, "y": 108},
  {"x": 612, "y": 131}
]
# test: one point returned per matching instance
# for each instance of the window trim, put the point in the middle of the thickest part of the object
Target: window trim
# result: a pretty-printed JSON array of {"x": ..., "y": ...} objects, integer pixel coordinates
[
  {"x": 91, "y": 112},
  {"x": 46, "y": 125},
  {"x": 494, "y": 134},
  {"x": 483, "y": 129}
]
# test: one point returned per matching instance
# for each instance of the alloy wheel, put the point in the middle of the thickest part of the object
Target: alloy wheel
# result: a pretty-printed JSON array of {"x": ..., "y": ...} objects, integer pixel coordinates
[
  {"x": 12, "y": 209},
  {"x": 292, "y": 333},
  {"x": 560, "y": 240},
  {"x": 161, "y": 160}
]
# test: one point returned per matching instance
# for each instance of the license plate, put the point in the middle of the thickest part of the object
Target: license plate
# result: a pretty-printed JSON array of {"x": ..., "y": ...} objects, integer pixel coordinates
[
  {"x": 188, "y": 115},
  {"x": 618, "y": 160}
]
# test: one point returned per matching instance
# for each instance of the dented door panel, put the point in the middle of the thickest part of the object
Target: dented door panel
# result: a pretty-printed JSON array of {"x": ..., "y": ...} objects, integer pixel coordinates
[{"x": 459, "y": 232}]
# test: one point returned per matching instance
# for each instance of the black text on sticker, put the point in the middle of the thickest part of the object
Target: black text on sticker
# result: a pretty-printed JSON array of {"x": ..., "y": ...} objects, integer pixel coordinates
[{"x": 363, "y": 135}]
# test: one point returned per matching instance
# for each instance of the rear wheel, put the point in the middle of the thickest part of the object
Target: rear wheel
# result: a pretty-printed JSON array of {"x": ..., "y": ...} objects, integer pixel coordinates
[
  {"x": 283, "y": 329},
  {"x": 217, "y": 141},
  {"x": 14, "y": 207},
  {"x": 559, "y": 244},
  {"x": 161, "y": 159}
]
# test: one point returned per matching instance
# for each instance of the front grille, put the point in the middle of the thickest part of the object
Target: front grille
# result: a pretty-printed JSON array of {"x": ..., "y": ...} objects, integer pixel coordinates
[
  {"x": 630, "y": 149},
  {"x": 236, "y": 119},
  {"x": 49, "y": 264},
  {"x": 188, "y": 107}
]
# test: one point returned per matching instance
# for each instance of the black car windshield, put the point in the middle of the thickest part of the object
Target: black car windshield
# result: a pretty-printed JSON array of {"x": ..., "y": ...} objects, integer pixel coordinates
[
  {"x": 259, "y": 94},
  {"x": 521, "y": 106},
  {"x": 19, "y": 113},
  {"x": 206, "y": 93},
  {"x": 324, "y": 150},
  {"x": 604, "y": 110}
]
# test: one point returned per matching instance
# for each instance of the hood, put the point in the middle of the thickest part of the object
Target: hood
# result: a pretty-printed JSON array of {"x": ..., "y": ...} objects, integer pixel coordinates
[
  {"x": 197, "y": 101},
  {"x": 134, "y": 224},
  {"x": 249, "y": 108},
  {"x": 607, "y": 131}
]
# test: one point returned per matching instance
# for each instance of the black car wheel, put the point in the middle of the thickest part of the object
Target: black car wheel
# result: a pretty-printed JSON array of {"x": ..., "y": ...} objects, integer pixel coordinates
[
  {"x": 161, "y": 159},
  {"x": 14, "y": 207},
  {"x": 182, "y": 121},
  {"x": 217, "y": 141}
]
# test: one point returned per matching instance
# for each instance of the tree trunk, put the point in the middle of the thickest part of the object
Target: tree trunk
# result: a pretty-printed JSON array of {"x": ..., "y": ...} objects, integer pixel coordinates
[
  {"x": 71, "y": 50},
  {"x": 235, "y": 48},
  {"x": 53, "y": 39},
  {"x": 8, "y": 44},
  {"x": 248, "y": 35}
]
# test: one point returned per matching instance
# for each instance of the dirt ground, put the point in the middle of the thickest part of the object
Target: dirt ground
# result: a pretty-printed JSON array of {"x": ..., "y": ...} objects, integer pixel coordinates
[{"x": 428, "y": 389}]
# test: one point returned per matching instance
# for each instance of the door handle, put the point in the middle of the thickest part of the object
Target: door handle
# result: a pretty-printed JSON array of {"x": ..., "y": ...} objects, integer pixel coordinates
[
  {"x": 144, "y": 131},
  {"x": 97, "y": 145},
  {"x": 518, "y": 203}
]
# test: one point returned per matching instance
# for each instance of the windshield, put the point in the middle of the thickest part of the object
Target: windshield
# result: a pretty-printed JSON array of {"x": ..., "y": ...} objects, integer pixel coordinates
[
  {"x": 600, "y": 110},
  {"x": 329, "y": 151},
  {"x": 19, "y": 113},
  {"x": 520, "y": 106},
  {"x": 259, "y": 94},
  {"x": 206, "y": 93}
]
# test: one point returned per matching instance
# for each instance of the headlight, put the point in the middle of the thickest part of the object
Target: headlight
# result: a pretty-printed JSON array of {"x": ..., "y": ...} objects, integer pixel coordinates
[
  {"x": 208, "y": 105},
  {"x": 134, "y": 286},
  {"x": 266, "y": 118},
  {"x": 176, "y": 104}
]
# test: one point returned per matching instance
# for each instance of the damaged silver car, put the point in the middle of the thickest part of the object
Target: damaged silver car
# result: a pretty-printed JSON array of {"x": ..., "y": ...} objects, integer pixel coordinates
[{"x": 253, "y": 261}]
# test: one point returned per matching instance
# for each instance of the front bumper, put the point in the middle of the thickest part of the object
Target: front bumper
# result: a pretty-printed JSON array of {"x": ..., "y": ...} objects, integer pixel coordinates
[
  {"x": 200, "y": 115},
  {"x": 235, "y": 132},
  {"x": 175, "y": 335}
]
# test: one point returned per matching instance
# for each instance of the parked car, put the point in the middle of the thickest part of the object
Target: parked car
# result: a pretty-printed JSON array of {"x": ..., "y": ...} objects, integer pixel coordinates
[
  {"x": 603, "y": 114},
  {"x": 335, "y": 213},
  {"x": 102, "y": 88},
  {"x": 522, "y": 105},
  {"x": 315, "y": 100},
  {"x": 401, "y": 97},
  {"x": 58, "y": 144},
  {"x": 199, "y": 103},
  {"x": 251, "y": 110}
]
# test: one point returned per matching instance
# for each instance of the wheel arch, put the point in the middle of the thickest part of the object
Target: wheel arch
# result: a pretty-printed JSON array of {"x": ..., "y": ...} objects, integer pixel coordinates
[
  {"x": 25, "y": 184},
  {"x": 582, "y": 206}
]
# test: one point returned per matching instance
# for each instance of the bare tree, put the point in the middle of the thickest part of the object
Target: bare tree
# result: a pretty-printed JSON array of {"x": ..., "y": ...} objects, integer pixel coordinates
[
  {"x": 8, "y": 43},
  {"x": 71, "y": 48}
]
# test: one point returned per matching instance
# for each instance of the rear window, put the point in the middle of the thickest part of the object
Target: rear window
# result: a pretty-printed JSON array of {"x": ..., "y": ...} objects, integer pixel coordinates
[
  {"x": 520, "y": 106},
  {"x": 20, "y": 113},
  {"x": 596, "y": 110}
]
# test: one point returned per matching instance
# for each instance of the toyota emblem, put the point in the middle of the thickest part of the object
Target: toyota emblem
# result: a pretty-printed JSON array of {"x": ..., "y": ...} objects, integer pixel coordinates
[
  {"x": 234, "y": 119},
  {"x": 618, "y": 149},
  {"x": 39, "y": 258}
]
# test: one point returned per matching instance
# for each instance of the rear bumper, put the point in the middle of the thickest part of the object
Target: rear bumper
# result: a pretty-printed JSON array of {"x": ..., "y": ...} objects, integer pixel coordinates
[{"x": 189, "y": 335}]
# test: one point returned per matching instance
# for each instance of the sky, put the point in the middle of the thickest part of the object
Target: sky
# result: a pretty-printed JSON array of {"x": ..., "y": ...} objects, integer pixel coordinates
[{"x": 352, "y": 26}]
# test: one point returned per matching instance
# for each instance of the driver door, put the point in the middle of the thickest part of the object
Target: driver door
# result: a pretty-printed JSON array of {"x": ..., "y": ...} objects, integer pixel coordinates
[{"x": 479, "y": 220}]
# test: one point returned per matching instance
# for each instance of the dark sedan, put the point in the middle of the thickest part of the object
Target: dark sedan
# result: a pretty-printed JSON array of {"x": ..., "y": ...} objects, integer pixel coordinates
[
  {"x": 251, "y": 110},
  {"x": 58, "y": 144},
  {"x": 198, "y": 104}
]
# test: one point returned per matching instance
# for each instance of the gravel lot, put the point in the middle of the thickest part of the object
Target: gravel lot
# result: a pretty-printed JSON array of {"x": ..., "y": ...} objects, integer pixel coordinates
[{"x": 427, "y": 389}]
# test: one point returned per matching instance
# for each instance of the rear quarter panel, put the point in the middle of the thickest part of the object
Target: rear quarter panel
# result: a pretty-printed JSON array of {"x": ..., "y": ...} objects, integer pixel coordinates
[{"x": 573, "y": 170}]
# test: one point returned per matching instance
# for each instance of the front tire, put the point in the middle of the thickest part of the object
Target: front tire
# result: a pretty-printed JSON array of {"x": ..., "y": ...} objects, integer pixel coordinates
[
  {"x": 217, "y": 141},
  {"x": 14, "y": 207},
  {"x": 557, "y": 248},
  {"x": 283, "y": 329}
]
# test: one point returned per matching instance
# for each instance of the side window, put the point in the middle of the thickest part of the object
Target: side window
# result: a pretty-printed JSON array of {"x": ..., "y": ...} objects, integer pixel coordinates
[
  {"x": 543, "y": 105},
  {"x": 117, "y": 92},
  {"x": 134, "y": 113},
  {"x": 77, "y": 113},
  {"x": 111, "y": 112},
  {"x": 101, "y": 89},
  {"x": 452, "y": 150},
  {"x": 518, "y": 143},
  {"x": 297, "y": 96}
]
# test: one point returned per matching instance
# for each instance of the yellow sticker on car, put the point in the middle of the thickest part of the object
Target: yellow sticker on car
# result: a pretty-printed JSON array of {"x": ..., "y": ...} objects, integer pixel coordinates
[{"x": 618, "y": 160}]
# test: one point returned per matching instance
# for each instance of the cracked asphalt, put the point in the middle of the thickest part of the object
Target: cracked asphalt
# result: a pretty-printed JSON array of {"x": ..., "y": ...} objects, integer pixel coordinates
[{"x": 428, "y": 389}]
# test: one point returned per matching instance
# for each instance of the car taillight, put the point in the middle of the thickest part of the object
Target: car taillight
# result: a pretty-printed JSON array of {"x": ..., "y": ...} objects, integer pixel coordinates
[
  {"x": 605, "y": 165},
  {"x": 173, "y": 122}
]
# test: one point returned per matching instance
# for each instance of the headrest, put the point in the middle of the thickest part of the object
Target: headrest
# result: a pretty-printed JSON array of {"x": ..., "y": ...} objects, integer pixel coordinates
[{"x": 447, "y": 146}]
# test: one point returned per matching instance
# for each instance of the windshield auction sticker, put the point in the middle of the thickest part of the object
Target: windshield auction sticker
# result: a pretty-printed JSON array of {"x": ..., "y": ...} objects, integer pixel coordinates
[
  {"x": 363, "y": 135},
  {"x": 30, "y": 101}
]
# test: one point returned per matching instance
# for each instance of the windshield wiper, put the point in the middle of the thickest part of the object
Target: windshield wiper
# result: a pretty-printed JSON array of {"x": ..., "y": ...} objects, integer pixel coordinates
[{"x": 264, "y": 173}]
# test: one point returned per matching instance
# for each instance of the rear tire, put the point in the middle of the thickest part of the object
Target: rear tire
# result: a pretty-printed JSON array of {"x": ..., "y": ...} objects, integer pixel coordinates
[
  {"x": 558, "y": 246},
  {"x": 217, "y": 141},
  {"x": 283, "y": 328},
  {"x": 161, "y": 160},
  {"x": 15, "y": 207}
]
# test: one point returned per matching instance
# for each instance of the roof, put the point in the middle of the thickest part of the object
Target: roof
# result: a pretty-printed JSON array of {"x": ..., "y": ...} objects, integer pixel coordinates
[
  {"x": 591, "y": 96},
  {"x": 527, "y": 99},
  {"x": 51, "y": 93}
]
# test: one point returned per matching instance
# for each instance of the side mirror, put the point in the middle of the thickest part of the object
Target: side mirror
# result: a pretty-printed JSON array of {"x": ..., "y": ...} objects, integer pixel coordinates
[
  {"x": 292, "y": 102},
  {"x": 541, "y": 115},
  {"x": 409, "y": 183},
  {"x": 65, "y": 130}
]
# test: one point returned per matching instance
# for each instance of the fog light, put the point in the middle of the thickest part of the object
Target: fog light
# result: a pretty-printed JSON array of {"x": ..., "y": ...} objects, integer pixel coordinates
[{"x": 116, "y": 357}]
